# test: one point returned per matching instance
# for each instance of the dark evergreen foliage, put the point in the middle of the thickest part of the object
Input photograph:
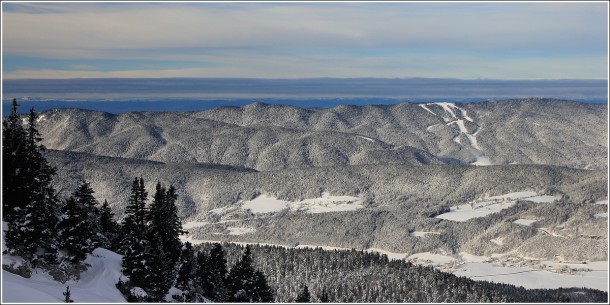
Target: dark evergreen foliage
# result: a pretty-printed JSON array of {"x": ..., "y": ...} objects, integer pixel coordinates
[
  {"x": 212, "y": 273},
  {"x": 304, "y": 296},
  {"x": 110, "y": 228},
  {"x": 14, "y": 194},
  {"x": 324, "y": 296},
  {"x": 67, "y": 295},
  {"x": 358, "y": 276},
  {"x": 185, "y": 280},
  {"x": 164, "y": 226},
  {"x": 31, "y": 234},
  {"x": 135, "y": 246},
  {"x": 243, "y": 282},
  {"x": 72, "y": 231}
]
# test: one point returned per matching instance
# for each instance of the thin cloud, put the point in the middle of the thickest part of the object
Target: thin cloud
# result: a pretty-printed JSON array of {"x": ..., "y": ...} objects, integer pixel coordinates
[{"x": 298, "y": 40}]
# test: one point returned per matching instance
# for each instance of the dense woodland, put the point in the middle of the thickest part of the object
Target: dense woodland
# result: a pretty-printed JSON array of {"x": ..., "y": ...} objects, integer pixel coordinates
[{"x": 57, "y": 233}]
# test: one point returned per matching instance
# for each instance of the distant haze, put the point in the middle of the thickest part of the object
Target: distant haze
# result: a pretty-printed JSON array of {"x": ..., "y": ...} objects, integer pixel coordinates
[{"x": 183, "y": 94}]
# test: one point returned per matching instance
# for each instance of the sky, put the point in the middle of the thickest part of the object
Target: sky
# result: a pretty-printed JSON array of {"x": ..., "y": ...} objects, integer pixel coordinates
[{"x": 493, "y": 40}]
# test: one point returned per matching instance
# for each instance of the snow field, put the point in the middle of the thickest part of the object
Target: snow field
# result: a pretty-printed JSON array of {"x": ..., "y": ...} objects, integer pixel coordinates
[
  {"x": 524, "y": 222},
  {"x": 491, "y": 205},
  {"x": 96, "y": 284},
  {"x": 325, "y": 204}
]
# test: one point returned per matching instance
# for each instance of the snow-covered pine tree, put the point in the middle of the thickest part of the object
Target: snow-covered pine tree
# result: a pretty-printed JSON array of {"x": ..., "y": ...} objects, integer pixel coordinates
[
  {"x": 212, "y": 273},
  {"x": 135, "y": 246},
  {"x": 32, "y": 233},
  {"x": 324, "y": 296},
  {"x": 93, "y": 237},
  {"x": 243, "y": 282},
  {"x": 164, "y": 224},
  {"x": 13, "y": 159},
  {"x": 185, "y": 280},
  {"x": 304, "y": 296},
  {"x": 67, "y": 295},
  {"x": 262, "y": 292},
  {"x": 70, "y": 231},
  {"x": 109, "y": 227}
]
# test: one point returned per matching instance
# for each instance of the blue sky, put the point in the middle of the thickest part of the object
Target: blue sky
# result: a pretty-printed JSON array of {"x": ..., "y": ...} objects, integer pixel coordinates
[{"x": 542, "y": 40}]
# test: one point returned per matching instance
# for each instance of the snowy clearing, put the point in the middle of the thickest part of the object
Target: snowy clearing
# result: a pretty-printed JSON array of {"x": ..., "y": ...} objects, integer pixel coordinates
[
  {"x": 240, "y": 230},
  {"x": 421, "y": 233},
  {"x": 498, "y": 241},
  {"x": 325, "y": 204},
  {"x": 605, "y": 201},
  {"x": 493, "y": 204},
  {"x": 524, "y": 222},
  {"x": 194, "y": 224},
  {"x": 601, "y": 215}
]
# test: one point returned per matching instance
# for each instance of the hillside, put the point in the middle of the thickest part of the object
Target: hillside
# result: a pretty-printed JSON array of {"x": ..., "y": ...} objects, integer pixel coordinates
[{"x": 271, "y": 137}]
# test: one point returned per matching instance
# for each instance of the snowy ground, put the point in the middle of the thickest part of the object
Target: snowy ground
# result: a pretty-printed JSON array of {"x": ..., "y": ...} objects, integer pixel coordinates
[
  {"x": 489, "y": 205},
  {"x": 325, "y": 204},
  {"x": 96, "y": 285},
  {"x": 524, "y": 222},
  {"x": 529, "y": 273}
]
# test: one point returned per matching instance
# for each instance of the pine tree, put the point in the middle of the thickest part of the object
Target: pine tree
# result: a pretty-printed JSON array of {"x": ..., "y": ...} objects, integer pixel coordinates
[
  {"x": 91, "y": 215},
  {"x": 70, "y": 231},
  {"x": 262, "y": 292},
  {"x": 212, "y": 271},
  {"x": 164, "y": 224},
  {"x": 160, "y": 274},
  {"x": 244, "y": 284},
  {"x": 135, "y": 246},
  {"x": 13, "y": 160},
  {"x": 304, "y": 296},
  {"x": 185, "y": 280},
  {"x": 324, "y": 296},
  {"x": 32, "y": 233},
  {"x": 109, "y": 227},
  {"x": 67, "y": 295}
]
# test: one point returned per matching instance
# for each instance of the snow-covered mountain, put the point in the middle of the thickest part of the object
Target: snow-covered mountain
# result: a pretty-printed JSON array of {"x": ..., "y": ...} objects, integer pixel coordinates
[{"x": 270, "y": 137}]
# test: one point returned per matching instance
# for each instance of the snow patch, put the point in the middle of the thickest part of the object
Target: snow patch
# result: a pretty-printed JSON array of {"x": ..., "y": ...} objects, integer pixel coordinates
[
  {"x": 498, "y": 241},
  {"x": 524, "y": 222},
  {"x": 194, "y": 224},
  {"x": 325, "y": 204},
  {"x": 365, "y": 138},
  {"x": 489, "y": 205},
  {"x": 421, "y": 233},
  {"x": 240, "y": 230},
  {"x": 601, "y": 215},
  {"x": 605, "y": 201}
]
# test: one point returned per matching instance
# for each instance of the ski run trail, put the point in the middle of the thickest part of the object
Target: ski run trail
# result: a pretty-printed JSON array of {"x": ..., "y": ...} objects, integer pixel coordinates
[{"x": 454, "y": 117}]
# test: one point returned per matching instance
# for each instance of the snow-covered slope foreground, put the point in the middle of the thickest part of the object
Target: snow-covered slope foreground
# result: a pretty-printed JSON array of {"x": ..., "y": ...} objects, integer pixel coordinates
[{"x": 96, "y": 285}]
